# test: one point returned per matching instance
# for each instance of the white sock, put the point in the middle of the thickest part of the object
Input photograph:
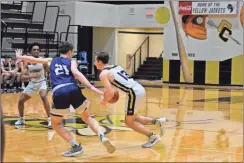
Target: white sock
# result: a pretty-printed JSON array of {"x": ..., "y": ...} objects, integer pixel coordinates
[
  {"x": 100, "y": 134},
  {"x": 73, "y": 142},
  {"x": 22, "y": 118}
]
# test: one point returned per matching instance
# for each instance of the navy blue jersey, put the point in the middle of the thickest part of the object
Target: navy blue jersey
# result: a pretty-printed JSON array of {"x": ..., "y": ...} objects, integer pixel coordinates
[{"x": 60, "y": 71}]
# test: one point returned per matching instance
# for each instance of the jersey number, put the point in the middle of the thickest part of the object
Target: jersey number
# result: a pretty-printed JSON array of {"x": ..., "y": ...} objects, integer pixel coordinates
[
  {"x": 61, "y": 69},
  {"x": 124, "y": 75}
]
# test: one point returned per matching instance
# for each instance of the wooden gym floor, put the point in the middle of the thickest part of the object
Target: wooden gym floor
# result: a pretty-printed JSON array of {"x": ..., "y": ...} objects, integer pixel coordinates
[{"x": 206, "y": 126}]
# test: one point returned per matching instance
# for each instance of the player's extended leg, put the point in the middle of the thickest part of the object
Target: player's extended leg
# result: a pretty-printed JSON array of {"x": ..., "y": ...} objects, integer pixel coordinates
[
  {"x": 130, "y": 121},
  {"x": 43, "y": 94},
  {"x": 58, "y": 127},
  {"x": 18, "y": 80},
  {"x": 152, "y": 121},
  {"x": 135, "y": 122},
  {"x": 23, "y": 98},
  {"x": 46, "y": 104},
  {"x": 93, "y": 124},
  {"x": 60, "y": 109}
]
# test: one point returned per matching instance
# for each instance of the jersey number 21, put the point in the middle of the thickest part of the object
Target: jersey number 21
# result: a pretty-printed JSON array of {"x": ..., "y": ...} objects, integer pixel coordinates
[{"x": 61, "y": 69}]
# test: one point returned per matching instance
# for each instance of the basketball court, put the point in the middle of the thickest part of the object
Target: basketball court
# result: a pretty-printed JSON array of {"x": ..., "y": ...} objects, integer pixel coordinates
[
  {"x": 205, "y": 126},
  {"x": 193, "y": 48}
]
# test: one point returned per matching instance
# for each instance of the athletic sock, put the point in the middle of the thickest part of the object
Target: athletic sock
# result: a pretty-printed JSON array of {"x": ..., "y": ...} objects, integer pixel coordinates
[
  {"x": 150, "y": 134},
  {"x": 73, "y": 142},
  {"x": 101, "y": 135}
]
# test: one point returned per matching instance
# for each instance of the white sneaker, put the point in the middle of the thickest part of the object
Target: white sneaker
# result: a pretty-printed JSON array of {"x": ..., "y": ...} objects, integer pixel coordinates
[
  {"x": 21, "y": 121},
  {"x": 109, "y": 146},
  {"x": 161, "y": 122},
  {"x": 154, "y": 139},
  {"x": 49, "y": 122}
]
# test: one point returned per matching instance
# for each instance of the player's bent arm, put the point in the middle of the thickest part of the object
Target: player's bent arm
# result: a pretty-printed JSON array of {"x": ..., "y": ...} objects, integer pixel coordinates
[
  {"x": 107, "y": 85},
  {"x": 21, "y": 66},
  {"x": 24, "y": 72},
  {"x": 31, "y": 59},
  {"x": 78, "y": 75}
]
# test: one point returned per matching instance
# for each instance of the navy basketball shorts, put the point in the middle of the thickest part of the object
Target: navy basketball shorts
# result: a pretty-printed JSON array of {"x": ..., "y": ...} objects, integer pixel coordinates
[{"x": 67, "y": 96}]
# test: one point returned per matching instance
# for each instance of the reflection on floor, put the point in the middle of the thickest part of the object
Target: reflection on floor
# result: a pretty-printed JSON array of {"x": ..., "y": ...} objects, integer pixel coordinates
[{"x": 205, "y": 126}]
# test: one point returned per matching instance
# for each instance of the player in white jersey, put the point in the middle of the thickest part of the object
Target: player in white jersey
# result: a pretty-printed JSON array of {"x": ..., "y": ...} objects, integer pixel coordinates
[
  {"x": 116, "y": 76},
  {"x": 38, "y": 84}
]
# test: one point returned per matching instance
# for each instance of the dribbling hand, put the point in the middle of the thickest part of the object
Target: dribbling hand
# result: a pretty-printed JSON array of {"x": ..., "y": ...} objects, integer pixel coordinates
[
  {"x": 97, "y": 90},
  {"x": 103, "y": 103}
]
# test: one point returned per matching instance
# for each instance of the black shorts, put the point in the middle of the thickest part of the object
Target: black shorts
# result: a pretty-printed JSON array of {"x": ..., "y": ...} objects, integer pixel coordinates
[{"x": 68, "y": 95}]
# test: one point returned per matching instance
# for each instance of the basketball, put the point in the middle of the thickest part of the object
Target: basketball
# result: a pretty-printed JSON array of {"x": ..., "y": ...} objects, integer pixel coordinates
[{"x": 115, "y": 98}]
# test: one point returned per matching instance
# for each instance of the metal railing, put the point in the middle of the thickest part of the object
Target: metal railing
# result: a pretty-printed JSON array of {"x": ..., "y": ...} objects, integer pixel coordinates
[
  {"x": 61, "y": 29},
  {"x": 23, "y": 38},
  {"x": 161, "y": 54},
  {"x": 140, "y": 55},
  {"x": 161, "y": 62},
  {"x": 51, "y": 18}
]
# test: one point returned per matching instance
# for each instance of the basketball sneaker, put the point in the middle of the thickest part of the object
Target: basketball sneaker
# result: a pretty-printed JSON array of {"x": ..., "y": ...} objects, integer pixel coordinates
[
  {"x": 74, "y": 151},
  {"x": 109, "y": 146},
  {"x": 154, "y": 139},
  {"x": 49, "y": 122},
  {"x": 21, "y": 121},
  {"x": 161, "y": 122}
]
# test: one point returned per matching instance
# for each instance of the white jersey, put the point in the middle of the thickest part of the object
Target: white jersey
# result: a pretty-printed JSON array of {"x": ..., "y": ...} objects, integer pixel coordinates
[
  {"x": 39, "y": 69},
  {"x": 121, "y": 78},
  {"x": 135, "y": 92}
]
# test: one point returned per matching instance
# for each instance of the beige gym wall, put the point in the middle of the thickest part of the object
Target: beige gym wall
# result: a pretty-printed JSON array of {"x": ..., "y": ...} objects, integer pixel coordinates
[
  {"x": 120, "y": 44},
  {"x": 129, "y": 43}
]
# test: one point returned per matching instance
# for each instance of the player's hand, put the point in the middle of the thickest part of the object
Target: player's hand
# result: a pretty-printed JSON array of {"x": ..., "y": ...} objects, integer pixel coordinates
[
  {"x": 96, "y": 90},
  {"x": 103, "y": 103},
  {"x": 18, "y": 53}
]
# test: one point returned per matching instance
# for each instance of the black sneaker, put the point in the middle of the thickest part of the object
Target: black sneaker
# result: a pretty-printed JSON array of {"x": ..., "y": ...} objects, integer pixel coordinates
[{"x": 75, "y": 150}]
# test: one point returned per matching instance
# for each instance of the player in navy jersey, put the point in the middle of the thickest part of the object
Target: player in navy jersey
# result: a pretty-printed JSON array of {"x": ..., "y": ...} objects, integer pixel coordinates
[{"x": 63, "y": 72}]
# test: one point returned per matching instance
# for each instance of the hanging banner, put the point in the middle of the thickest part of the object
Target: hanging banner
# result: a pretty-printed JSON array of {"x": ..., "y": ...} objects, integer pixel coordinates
[
  {"x": 203, "y": 37},
  {"x": 207, "y": 8}
]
